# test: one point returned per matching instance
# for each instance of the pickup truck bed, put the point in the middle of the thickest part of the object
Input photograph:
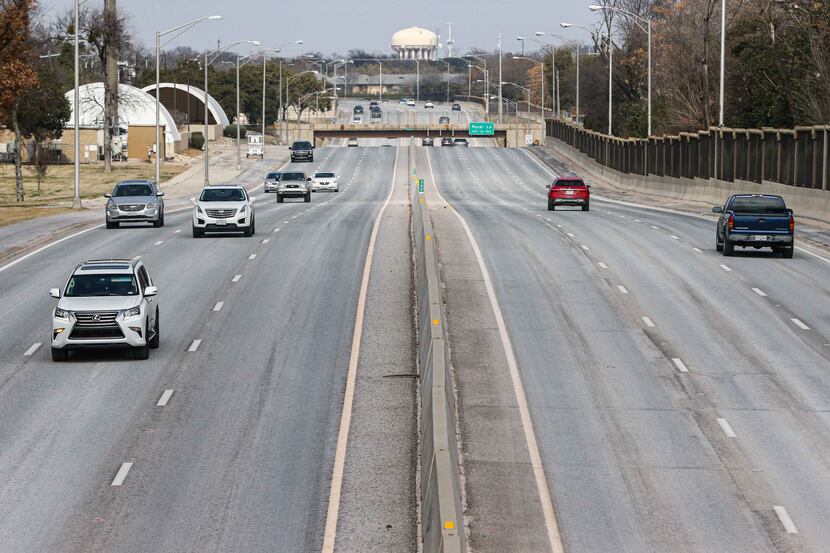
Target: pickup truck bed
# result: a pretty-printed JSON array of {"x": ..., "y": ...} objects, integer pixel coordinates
[{"x": 755, "y": 221}]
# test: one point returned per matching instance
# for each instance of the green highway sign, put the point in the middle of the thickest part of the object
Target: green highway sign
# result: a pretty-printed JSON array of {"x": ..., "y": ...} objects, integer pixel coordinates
[
  {"x": 482, "y": 129},
  {"x": 421, "y": 186}
]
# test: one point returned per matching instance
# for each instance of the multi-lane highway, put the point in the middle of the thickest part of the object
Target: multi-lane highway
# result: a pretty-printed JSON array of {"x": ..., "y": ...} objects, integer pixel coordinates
[
  {"x": 256, "y": 338},
  {"x": 679, "y": 399}
]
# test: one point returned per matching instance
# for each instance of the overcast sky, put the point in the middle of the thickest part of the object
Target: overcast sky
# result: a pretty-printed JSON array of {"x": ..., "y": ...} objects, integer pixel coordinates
[{"x": 330, "y": 26}]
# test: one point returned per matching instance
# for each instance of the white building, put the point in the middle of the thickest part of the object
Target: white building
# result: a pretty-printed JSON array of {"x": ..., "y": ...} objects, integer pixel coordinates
[{"x": 415, "y": 43}]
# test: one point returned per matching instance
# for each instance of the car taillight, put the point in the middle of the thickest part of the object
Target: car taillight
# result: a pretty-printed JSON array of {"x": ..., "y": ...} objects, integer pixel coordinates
[
  {"x": 792, "y": 224},
  {"x": 730, "y": 223}
]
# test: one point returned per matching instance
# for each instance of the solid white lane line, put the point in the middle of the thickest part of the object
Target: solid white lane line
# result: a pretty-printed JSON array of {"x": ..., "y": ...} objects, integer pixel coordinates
[
  {"x": 602, "y": 265},
  {"x": 159, "y": 243},
  {"x": 727, "y": 428},
  {"x": 785, "y": 519},
  {"x": 542, "y": 486},
  {"x": 218, "y": 306},
  {"x": 236, "y": 278},
  {"x": 681, "y": 366},
  {"x": 121, "y": 474},
  {"x": 622, "y": 289},
  {"x": 649, "y": 322},
  {"x": 252, "y": 256},
  {"x": 726, "y": 268},
  {"x": 330, "y": 531},
  {"x": 799, "y": 324},
  {"x": 165, "y": 397},
  {"x": 177, "y": 231},
  {"x": 194, "y": 346},
  {"x": 33, "y": 348}
]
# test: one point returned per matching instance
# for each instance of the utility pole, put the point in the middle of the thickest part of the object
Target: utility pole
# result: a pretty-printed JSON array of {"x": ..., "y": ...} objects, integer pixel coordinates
[
  {"x": 110, "y": 79},
  {"x": 76, "y": 199},
  {"x": 501, "y": 108}
]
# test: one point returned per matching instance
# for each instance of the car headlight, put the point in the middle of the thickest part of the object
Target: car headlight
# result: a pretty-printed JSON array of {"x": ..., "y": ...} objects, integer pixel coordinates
[
  {"x": 62, "y": 314},
  {"x": 133, "y": 312},
  {"x": 153, "y": 205},
  {"x": 199, "y": 209},
  {"x": 111, "y": 205},
  {"x": 243, "y": 209}
]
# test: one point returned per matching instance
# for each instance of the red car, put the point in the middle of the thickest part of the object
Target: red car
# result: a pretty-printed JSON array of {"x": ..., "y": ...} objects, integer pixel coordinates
[{"x": 569, "y": 191}]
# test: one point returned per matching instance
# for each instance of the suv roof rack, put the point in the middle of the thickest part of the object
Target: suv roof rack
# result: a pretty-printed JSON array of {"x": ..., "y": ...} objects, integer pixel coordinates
[{"x": 131, "y": 262}]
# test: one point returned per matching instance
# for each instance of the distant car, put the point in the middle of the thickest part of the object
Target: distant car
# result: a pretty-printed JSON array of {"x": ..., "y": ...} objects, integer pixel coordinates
[
  {"x": 402, "y": 101},
  {"x": 447, "y": 141},
  {"x": 456, "y": 107},
  {"x": 443, "y": 120},
  {"x": 377, "y": 114},
  {"x": 429, "y": 105},
  {"x": 755, "y": 221},
  {"x": 352, "y": 142},
  {"x": 272, "y": 181},
  {"x": 358, "y": 110},
  {"x": 302, "y": 151},
  {"x": 426, "y": 141},
  {"x": 570, "y": 191},
  {"x": 460, "y": 142},
  {"x": 373, "y": 104},
  {"x": 294, "y": 184},
  {"x": 410, "y": 103},
  {"x": 223, "y": 208},
  {"x": 134, "y": 201},
  {"x": 325, "y": 180},
  {"x": 110, "y": 303}
]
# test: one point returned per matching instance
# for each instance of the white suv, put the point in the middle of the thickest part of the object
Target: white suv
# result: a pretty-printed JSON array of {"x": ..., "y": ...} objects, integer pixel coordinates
[
  {"x": 325, "y": 180},
  {"x": 223, "y": 208},
  {"x": 106, "y": 304}
]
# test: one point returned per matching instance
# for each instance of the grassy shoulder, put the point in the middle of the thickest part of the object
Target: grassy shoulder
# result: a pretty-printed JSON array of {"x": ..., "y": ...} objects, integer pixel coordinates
[{"x": 53, "y": 195}]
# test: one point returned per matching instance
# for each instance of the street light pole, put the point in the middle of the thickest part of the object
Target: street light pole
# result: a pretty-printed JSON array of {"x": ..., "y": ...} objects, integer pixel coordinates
[
  {"x": 722, "y": 61},
  {"x": 542, "y": 65},
  {"x": 448, "y": 81},
  {"x": 76, "y": 200},
  {"x": 501, "y": 107}
]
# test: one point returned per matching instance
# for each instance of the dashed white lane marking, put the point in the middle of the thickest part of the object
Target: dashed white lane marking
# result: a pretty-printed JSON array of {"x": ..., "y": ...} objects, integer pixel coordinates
[
  {"x": 165, "y": 397},
  {"x": 726, "y": 268},
  {"x": 286, "y": 222},
  {"x": 218, "y": 306},
  {"x": 760, "y": 292},
  {"x": 800, "y": 324},
  {"x": 265, "y": 241},
  {"x": 159, "y": 243},
  {"x": 559, "y": 226},
  {"x": 571, "y": 234},
  {"x": 655, "y": 228},
  {"x": 681, "y": 366},
  {"x": 33, "y": 348},
  {"x": 236, "y": 278},
  {"x": 649, "y": 322},
  {"x": 276, "y": 230},
  {"x": 673, "y": 237},
  {"x": 194, "y": 346},
  {"x": 785, "y": 519},
  {"x": 177, "y": 231},
  {"x": 622, "y": 289},
  {"x": 252, "y": 256},
  {"x": 584, "y": 247},
  {"x": 698, "y": 250},
  {"x": 727, "y": 428},
  {"x": 602, "y": 265},
  {"x": 121, "y": 475},
  {"x": 637, "y": 221}
]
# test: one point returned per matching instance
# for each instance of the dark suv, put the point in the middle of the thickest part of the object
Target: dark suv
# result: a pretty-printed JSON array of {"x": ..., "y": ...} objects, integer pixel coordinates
[
  {"x": 358, "y": 110},
  {"x": 302, "y": 151}
]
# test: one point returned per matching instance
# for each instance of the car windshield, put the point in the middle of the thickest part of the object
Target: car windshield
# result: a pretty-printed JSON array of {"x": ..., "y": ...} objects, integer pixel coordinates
[
  {"x": 302, "y": 145},
  {"x": 293, "y": 176},
  {"x": 273, "y": 176},
  {"x": 222, "y": 195},
  {"x": 123, "y": 190},
  {"x": 569, "y": 183},
  {"x": 759, "y": 204},
  {"x": 81, "y": 286},
  {"x": 324, "y": 175}
]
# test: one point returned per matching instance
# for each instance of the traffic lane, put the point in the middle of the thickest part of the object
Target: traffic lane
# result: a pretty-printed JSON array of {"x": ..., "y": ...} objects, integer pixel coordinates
[
  {"x": 242, "y": 460},
  {"x": 767, "y": 380},
  {"x": 630, "y": 463},
  {"x": 67, "y": 402}
]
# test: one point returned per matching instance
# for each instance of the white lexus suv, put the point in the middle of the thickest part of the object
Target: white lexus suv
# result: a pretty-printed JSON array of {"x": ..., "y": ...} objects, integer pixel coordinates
[
  {"x": 223, "y": 208},
  {"x": 325, "y": 180},
  {"x": 106, "y": 304}
]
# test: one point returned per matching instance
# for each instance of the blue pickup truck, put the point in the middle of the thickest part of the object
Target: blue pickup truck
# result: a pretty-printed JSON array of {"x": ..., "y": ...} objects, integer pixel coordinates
[{"x": 755, "y": 221}]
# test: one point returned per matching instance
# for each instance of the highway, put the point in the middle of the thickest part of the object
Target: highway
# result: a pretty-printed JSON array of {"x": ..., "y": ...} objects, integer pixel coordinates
[
  {"x": 256, "y": 337},
  {"x": 679, "y": 398}
]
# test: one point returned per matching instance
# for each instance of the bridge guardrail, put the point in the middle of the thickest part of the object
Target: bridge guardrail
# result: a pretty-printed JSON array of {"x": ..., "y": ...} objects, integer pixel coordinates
[{"x": 442, "y": 528}]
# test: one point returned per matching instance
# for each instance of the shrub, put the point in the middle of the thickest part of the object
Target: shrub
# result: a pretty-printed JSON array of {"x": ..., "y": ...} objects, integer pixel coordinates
[
  {"x": 230, "y": 131},
  {"x": 197, "y": 140}
]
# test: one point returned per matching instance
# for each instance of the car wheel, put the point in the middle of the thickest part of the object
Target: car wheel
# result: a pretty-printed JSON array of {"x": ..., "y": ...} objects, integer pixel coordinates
[
  {"x": 728, "y": 247},
  {"x": 112, "y": 224},
  {"x": 787, "y": 253},
  {"x": 154, "y": 341},
  {"x": 586, "y": 207},
  {"x": 280, "y": 199},
  {"x": 197, "y": 233},
  {"x": 141, "y": 352},
  {"x": 551, "y": 206},
  {"x": 59, "y": 354},
  {"x": 158, "y": 223},
  {"x": 307, "y": 197},
  {"x": 718, "y": 243},
  {"x": 248, "y": 232}
]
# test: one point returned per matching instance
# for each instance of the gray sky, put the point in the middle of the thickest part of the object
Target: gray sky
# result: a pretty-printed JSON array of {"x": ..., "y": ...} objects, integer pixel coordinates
[{"x": 331, "y": 26}]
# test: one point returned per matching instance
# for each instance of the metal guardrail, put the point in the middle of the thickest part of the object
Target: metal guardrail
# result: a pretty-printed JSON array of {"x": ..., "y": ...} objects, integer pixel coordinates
[
  {"x": 795, "y": 157},
  {"x": 442, "y": 528}
]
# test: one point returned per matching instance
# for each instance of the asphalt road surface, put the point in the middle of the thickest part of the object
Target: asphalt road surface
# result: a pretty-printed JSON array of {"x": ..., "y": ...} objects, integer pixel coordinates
[
  {"x": 679, "y": 398},
  {"x": 255, "y": 341}
]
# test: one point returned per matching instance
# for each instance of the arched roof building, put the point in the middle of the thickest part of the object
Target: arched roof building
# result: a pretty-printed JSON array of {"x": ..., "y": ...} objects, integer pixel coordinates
[
  {"x": 135, "y": 107},
  {"x": 189, "y": 100},
  {"x": 415, "y": 43}
]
